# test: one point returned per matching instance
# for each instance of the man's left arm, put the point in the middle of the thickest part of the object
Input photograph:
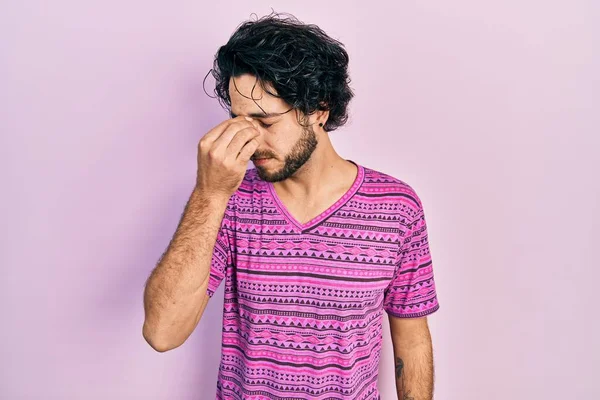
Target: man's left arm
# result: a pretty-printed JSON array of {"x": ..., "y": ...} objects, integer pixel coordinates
[{"x": 413, "y": 358}]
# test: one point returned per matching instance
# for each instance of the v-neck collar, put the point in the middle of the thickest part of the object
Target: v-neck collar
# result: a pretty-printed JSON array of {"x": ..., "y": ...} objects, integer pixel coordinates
[{"x": 302, "y": 228}]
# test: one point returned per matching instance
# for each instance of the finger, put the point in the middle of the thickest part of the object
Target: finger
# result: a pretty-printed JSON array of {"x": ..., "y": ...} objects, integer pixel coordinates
[
  {"x": 247, "y": 151},
  {"x": 223, "y": 141},
  {"x": 218, "y": 130},
  {"x": 240, "y": 139}
]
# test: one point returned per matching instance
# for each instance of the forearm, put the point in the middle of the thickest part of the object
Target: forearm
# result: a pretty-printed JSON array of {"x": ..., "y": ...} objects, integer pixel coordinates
[
  {"x": 174, "y": 295},
  {"x": 414, "y": 368}
]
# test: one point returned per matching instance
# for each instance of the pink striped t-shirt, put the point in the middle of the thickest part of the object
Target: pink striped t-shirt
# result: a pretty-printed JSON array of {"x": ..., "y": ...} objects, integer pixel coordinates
[{"x": 304, "y": 302}]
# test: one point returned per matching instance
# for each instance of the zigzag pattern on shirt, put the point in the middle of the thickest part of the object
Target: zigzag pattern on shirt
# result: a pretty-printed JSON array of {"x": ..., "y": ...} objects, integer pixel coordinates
[{"x": 304, "y": 303}]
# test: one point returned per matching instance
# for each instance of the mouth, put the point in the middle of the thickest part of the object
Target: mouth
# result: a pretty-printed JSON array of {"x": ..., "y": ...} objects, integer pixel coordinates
[{"x": 261, "y": 161}]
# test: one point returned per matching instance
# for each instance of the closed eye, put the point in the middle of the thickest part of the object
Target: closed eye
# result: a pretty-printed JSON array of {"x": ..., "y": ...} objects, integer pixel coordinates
[{"x": 261, "y": 123}]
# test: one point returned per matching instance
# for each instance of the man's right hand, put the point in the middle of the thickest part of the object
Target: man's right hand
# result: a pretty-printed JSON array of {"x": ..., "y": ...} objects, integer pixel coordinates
[{"x": 223, "y": 155}]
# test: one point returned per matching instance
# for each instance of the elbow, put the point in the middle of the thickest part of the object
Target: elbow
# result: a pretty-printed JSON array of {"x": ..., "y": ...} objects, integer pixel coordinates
[{"x": 160, "y": 343}]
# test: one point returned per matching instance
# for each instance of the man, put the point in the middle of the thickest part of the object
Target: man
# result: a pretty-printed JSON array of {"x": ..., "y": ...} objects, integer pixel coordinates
[{"x": 313, "y": 248}]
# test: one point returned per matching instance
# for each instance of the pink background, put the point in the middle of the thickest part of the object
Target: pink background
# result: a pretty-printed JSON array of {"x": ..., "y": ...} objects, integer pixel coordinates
[{"x": 489, "y": 109}]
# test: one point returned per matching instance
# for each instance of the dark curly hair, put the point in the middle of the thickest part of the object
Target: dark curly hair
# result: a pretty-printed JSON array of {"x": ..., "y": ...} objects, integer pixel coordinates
[{"x": 307, "y": 68}]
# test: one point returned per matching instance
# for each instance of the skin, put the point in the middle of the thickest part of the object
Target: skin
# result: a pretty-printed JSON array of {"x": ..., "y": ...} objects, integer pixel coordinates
[
  {"x": 413, "y": 355},
  {"x": 175, "y": 294}
]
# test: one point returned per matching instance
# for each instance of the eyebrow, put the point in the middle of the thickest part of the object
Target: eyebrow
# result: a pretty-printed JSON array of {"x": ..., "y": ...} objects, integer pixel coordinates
[{"x": 257, "y": 115}]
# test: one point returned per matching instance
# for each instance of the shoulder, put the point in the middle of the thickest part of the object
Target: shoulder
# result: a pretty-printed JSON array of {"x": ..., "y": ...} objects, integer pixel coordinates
[
  {"x": 250, "y": 184},
  {"x": 392, "y": 189},
  {"x": 251, "y": 181}
]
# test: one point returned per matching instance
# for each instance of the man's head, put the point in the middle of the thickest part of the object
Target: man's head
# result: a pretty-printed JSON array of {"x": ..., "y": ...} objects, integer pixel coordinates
[{"x": 289, "y": 76}]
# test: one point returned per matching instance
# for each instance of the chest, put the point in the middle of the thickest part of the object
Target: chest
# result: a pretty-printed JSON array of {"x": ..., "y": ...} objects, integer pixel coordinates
[{"x": 340, "y": 266}]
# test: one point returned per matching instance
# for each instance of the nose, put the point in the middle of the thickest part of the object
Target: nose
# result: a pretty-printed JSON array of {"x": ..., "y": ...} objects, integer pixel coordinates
[{"x": 260, "y": 137}]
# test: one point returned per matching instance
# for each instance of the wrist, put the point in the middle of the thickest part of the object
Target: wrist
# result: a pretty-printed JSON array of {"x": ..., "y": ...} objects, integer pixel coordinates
[{"x": 214, "y": 200}]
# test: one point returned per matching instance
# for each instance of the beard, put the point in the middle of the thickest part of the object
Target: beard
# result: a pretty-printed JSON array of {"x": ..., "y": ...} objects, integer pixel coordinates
[{"x": 294, "y": 160}]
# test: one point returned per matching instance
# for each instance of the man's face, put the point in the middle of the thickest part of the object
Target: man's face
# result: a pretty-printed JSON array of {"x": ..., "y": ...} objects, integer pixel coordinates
[{"x": 285, "y": 145}]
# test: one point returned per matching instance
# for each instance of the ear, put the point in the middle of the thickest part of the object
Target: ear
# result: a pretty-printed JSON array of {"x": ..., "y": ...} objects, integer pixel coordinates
[{"x": 322, "y": 114}]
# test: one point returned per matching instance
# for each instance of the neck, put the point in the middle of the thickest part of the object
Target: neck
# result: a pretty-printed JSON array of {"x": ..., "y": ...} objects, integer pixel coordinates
[{"x": 325, "y": 170}]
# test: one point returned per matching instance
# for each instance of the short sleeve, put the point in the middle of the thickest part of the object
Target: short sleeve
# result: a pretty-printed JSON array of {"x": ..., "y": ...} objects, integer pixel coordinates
[
  {"x": 222, "y": 254},
  {"x": 411, "y": 292}
]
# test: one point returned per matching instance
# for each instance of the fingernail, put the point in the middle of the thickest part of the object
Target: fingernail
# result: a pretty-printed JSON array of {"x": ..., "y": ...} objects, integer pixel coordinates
[{"x": 248, "y": 118}]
